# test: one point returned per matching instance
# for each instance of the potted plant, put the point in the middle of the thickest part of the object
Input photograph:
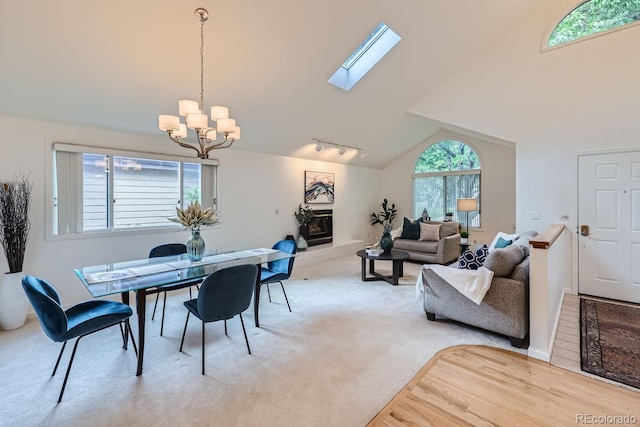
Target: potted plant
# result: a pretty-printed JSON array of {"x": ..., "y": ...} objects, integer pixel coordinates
[
  {"x": 304, "y": 215},
  {"x": 385, "y": 217},
  {"x": 464, "y": 237},
  {"x": 15, "y": 199},
  {"x": 193, "y": 218}
]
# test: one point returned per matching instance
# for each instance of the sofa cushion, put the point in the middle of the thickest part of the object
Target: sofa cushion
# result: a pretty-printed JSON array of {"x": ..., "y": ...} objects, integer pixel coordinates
[
  {"x": 429, "y": 231},
  {"x": 410, "y": 229},
  {"x": 428, "y": 247},
  {"x": 503, "y": 261}
]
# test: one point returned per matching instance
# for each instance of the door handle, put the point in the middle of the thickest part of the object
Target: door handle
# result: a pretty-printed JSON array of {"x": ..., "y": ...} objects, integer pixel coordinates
[{"x": 584, "y": 230}]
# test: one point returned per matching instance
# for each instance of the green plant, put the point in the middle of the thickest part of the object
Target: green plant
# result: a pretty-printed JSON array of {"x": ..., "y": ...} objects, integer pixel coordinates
[
  {"x": 464, "y": 234},
  {"x": 15, "y": 197},
  {"x": 303, "y": 214},
  {"x": 385, "y": 216}
]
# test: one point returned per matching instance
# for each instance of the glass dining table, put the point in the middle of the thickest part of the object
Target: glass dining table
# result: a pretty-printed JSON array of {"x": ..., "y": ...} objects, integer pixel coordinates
[{"x": 145, "y": 275}]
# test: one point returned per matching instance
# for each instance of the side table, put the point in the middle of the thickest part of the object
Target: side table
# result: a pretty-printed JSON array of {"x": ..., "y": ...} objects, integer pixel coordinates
[{"x": 396, "y": 258}]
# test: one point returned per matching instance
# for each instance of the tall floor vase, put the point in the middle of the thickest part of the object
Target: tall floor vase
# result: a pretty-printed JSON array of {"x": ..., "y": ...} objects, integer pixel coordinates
[{"x": 13, "y": 301}]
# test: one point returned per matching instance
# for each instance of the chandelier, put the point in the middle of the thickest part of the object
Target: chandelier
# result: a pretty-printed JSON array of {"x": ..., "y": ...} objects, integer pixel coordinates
[{"x": 195, "y": 117}]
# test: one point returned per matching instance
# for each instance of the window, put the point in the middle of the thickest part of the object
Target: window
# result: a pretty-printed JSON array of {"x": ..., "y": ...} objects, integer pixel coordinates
[
  {"x": 593, "y": 17},
  {"x": 103, "y": 190},
  {"x": 446, "y": 171},
  {"x": 371, "y": 50}
]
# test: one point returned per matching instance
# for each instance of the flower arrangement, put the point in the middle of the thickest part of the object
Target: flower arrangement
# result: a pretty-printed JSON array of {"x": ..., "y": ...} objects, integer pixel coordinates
[
  {"x": 303, "y": 214},
  {"x": 386, "y": 216},
  {"x": 194, "y": 216},
  {"x": 15, "y": 197}
]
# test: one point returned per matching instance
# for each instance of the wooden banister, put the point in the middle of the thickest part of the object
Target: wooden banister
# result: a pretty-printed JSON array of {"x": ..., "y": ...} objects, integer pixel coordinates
[{"x": 545, "y": 239}]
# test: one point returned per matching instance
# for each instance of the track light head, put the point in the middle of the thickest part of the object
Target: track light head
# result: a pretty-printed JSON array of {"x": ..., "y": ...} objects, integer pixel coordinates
[
  {"x": 318, "y": 147},
  {"x": 342, "y": 151}
]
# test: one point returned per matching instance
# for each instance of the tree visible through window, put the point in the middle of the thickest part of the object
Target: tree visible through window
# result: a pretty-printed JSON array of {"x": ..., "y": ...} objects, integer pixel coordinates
[
  {"x": 592, "y": 17},
  {"x": 446, "y": 171}
]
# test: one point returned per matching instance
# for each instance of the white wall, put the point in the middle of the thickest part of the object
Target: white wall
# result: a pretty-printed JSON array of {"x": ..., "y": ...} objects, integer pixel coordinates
[
  {"x": 498, "y": 190},
  {"x": 251, "y": 188}
]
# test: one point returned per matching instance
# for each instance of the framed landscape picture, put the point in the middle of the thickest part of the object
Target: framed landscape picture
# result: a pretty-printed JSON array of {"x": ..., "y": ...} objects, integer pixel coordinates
[{"x": 318, "y": 187}]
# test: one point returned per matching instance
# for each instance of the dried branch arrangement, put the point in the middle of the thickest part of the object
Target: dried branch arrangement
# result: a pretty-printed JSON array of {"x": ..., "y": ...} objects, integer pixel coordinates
[{"x": 15, "y": 198}]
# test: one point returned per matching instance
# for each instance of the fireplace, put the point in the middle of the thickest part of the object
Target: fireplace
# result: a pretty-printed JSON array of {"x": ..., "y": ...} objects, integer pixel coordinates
[{"x": 320, "y": 229}]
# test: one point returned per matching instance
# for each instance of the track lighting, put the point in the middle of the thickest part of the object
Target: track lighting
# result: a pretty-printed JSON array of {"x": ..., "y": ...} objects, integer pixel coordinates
[
  {"x": 319, "y": 147},
  {"x": 342, "y": 149}
]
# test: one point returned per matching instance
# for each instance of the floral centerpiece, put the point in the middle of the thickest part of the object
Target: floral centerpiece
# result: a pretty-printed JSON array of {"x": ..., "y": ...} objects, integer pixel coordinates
[
  {"x": 194, "y": 217},
  {"x": 15, "y": 198},
  {"x": 385, "y": 218}
]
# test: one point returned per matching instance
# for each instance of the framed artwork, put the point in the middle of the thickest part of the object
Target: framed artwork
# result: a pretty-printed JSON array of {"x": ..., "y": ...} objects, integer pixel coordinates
[{"x": 318, "y": 187}]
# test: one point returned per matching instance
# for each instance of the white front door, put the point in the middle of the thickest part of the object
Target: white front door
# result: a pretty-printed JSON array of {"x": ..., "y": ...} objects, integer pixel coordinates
[{"x": 609, "y": 205}]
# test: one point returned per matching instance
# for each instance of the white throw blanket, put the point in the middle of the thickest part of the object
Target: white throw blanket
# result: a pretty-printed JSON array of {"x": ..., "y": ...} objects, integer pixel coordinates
[{"x": 473, "y": 284}]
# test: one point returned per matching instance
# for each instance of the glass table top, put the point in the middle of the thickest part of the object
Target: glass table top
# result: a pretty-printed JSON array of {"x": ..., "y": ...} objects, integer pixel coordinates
[{"x": 108, "y": 279}]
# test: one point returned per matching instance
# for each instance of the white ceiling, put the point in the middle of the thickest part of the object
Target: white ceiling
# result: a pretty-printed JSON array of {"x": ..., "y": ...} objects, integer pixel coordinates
[{"x": 118, "y": 64}]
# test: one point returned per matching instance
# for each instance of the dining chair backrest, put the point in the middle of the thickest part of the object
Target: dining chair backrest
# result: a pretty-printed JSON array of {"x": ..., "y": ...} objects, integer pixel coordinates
[
  {"x": 168, "y": 249},
  {"x": 46, "y": 304},
  {"x": 284, "y": 266},
  {"x": 227, "y": 292}
]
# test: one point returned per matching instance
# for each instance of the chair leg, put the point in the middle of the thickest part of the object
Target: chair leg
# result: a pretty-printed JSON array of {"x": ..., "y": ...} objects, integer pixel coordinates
[
  {"x": 155, "y": 305},
  {"x": 245, "y": 334},
  {"x": 268, "y": 292},
  {"x": 203, "y": 348},
  {"x": 59, "y": 357},
  {"x": 185, "y": 330},
  {"x": 225, "y": 327},
  {"x": 133, "y": 341},
  {"x": 285, "y": 296},
  {"x": 164, "y": 305},
  {"x": 66, "y": 377}
]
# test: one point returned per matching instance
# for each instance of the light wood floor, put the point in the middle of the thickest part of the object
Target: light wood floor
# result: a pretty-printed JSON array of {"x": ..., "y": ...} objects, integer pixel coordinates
[{"x": 477, "y": 385}]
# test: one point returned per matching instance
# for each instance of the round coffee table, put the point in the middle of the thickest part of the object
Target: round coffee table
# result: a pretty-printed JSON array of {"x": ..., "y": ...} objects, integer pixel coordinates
[{"x": 396, "y": 258}]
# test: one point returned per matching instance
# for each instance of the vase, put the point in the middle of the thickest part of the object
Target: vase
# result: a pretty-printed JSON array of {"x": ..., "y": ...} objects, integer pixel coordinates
[
  {"x": 13, "y": 301},
  {"x": 386, "y": 242},
  {"x": 195, "y": 246},
  {"x": 302, "y": 243}
]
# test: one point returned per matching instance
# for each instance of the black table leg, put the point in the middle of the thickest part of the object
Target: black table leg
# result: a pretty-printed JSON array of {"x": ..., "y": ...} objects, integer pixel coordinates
[
  {"x": 141, "y": 305},
  {"x": 396, "y": 265},
  {"x": 125, "y": 300},
  {"x": 364, "y": 269},
  {"x": 371, "y": 267}
]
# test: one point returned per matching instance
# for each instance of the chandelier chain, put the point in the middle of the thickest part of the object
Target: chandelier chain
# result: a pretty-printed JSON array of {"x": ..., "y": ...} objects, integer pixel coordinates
[{"x": 202, "y": 64}]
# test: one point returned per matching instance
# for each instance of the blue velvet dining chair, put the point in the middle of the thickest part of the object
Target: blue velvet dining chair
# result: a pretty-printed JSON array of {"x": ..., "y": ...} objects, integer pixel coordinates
[
  {"x": 169, "y": 249},
  {"x": 76, "y": 322},
  {"x": 277, "y": 271},
  {"x": 223, "y": 295}
]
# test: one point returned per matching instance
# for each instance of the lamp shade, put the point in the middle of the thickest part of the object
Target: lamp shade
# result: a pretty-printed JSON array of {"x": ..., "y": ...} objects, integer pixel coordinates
[{"x": 467, "y": 205}]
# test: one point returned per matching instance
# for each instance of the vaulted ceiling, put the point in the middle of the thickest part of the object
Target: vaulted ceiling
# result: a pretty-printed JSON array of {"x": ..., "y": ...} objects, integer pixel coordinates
[{"x": 118, "y": 64}]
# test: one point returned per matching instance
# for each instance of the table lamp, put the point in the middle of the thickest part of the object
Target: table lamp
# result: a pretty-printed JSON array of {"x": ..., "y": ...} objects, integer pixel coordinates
[{"x": 467, "y": 205}]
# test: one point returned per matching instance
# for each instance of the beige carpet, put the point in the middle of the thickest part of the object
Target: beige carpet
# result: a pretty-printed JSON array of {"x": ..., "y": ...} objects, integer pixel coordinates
[{"x": 344, "y": 352}]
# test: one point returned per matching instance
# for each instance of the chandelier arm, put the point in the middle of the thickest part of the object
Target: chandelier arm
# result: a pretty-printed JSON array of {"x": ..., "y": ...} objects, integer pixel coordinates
[
  {"x": 219, "y": 145},
  {"x": 180, "y": 143}
]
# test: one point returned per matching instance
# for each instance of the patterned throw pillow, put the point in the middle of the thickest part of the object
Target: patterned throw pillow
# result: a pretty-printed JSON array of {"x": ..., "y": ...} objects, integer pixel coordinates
[{"x": 473, "y": 260}]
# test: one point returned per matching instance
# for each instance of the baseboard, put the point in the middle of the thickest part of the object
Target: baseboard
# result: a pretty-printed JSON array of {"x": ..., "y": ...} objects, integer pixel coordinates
[
  {"x": 327, "y": 252},
  {"x": 539, "y": 354}
]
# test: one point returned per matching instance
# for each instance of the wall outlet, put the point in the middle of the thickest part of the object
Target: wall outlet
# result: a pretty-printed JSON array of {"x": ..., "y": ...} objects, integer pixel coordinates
[{"x": 535, "y": 214}]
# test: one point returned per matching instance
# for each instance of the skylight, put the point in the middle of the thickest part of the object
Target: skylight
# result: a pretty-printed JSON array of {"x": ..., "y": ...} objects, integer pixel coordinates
[{"x": 370, "y": 51}]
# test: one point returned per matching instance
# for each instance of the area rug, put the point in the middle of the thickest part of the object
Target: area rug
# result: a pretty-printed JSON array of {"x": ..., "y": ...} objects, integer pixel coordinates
[{"x": 610, "y": 341}]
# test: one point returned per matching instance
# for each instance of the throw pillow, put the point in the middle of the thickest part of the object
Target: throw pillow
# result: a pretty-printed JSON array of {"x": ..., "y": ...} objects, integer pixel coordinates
[
  {"x": 396, "y": 233},
  {"x": 429, "y": 231},
  {"x": 505, "y": 236},
  {"x": 503, "y": 261},
  {"x": 468, "y": 261},
  {"x": 410, "y": 229},
  {"x": 473, "y": 260},
  {"x": 502, "y": 243}
]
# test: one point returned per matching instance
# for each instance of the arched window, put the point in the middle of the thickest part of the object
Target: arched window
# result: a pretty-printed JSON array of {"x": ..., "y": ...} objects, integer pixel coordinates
[
  {"x": 445, "y": 172},
  {"x": 593, "y": 17}
]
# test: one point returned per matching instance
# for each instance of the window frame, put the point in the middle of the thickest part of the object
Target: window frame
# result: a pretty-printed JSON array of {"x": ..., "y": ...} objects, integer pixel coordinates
[
  {"x": 475, "y": 171},
  {"x": 544, "y": 47},
  {"x": 50, "y": 206}
]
